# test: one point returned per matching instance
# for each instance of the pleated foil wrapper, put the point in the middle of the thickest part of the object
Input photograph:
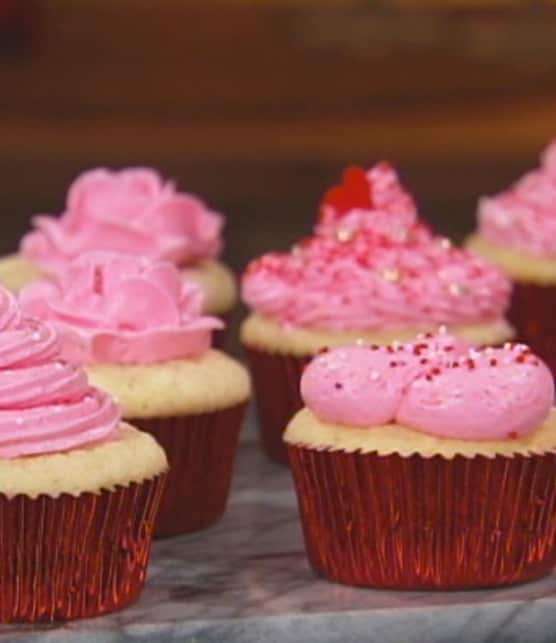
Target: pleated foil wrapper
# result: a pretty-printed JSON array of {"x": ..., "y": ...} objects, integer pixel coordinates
[
  {"x": 276, "y": 379},
  {"x": 532, "y": 312},
  {"x": 426, "y": 523},
  {"x": 201, "y": 450},
  {"x": 75, "y": 557}
]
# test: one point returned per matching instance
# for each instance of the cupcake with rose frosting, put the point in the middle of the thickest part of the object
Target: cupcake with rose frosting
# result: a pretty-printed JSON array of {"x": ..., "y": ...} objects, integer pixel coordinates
[
  {"x": 517, "y": 231},
  {"x": 373, "y": 272},
  {"x": 140, "y": 330},
  {"x": 133, "y": 211},
  {"x": 427, "y": 465},
  {"x": 79, "y": 490}
]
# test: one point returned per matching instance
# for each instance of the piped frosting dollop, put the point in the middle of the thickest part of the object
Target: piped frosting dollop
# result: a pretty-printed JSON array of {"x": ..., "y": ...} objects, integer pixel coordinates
[
  {"x": 524, "y": 216},
  {"x": 373, "y": 264},
  {"x": 435, "y": 385},
  {"x": 46, "y": 403},
  {"x": 132, "y": 211},
  {"x": 112, "y": 308}
]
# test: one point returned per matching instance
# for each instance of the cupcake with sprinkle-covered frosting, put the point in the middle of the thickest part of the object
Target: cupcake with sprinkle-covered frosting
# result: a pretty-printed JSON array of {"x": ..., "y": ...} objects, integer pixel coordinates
[
  {"x": 372, "y": 272},
  {"x": 79, "y": 490},
  {"x": 132, "y": 211},
  {"x": 142, "y": 335},
  {"x": 427, "y": 465},
  {"x": 517, "y": 231}
]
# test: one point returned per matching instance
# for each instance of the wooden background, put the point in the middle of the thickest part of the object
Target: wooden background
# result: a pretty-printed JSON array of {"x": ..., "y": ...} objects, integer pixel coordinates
[{"x": 258, "y": 105}]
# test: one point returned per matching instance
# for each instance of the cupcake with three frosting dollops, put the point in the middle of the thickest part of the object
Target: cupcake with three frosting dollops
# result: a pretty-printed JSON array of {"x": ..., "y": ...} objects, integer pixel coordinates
[
  {"x": 141, "y": 332},
  {"x": 517, "y": 231},
  {"x": 372, "y": 271},
  {"x": 132, "y": 211},
  {"x": 427, "y": 465},
  {"x": 79, "y": 489}
]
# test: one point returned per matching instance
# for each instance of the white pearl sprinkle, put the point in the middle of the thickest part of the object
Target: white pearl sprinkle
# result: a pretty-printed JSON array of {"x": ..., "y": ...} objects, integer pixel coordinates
[
  {"x": 343, "y": 235},
  {"x": 374, "y": 376}
]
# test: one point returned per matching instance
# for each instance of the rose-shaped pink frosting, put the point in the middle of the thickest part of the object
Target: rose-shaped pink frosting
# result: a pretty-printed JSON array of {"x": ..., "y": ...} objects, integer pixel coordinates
[
  {"x": 524, "y": 216},
  {"x": 46, "y": 404},
  {"x": 436, "y": 385},
  {"x": 367, "y": 281},
  {"x": 373, "y": 264},
  {"x": 132, "y": 211},
  {"x": 112, "y": 308}
]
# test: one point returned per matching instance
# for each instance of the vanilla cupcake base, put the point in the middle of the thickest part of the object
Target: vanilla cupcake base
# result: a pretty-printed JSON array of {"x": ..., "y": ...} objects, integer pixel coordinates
[
  {"x": 194, "y": 408},
  {"x": 380, "y": 512},
  {"x": 277, "y": 356},
  {"x": 76, "y": 528},
  {"x": 215, "y": 279}
]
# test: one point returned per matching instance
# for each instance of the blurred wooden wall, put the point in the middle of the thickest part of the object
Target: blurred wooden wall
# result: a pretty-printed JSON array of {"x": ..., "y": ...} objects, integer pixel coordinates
[{"x": 257, "y": 105}]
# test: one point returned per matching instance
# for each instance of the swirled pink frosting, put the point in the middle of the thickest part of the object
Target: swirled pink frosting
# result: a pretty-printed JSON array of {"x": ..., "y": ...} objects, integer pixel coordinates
[
  {"x": 373, "y": 264},
  {"x": 46, "y": 404},
  {"x": 435, "y": 385},
  {"x": 132, "y": 211},
  {"x": 112, "y": 308},
  {"x": 368, "y": 282},
  {"x": 524, "y": 216}
]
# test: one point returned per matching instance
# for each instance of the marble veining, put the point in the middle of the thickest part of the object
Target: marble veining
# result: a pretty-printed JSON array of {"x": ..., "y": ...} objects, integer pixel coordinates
[{"x": 246, "y": 580}]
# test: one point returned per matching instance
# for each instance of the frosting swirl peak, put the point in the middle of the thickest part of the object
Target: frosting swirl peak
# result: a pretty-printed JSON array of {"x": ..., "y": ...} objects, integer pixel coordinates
[
  {"x": 373, "y": 264},
  {"x": 112, "y": 308},
  {"x": 46, "y": 404},
  {"x": 132, "y": 211}
]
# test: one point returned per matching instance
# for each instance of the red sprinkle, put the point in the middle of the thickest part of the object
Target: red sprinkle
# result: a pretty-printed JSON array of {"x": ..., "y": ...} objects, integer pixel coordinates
[
  {"x": 436, "y": 371},
  {"x": 513, "y": 435},
  {"x": 493, "y": 362},
  {"x": 470, "y": 364},
  {"x": 325, "y": 349}
]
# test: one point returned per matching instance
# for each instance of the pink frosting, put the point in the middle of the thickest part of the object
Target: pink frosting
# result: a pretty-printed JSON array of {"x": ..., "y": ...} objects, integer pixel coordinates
[
  {"x": 112, "y": 308},
  {"x": 436, "y": 385},
  {"x": 367, "y": 282},
  {"x": 373, "y": 264},
  {"x": 132, "y": 211},
  {"x": 524, "y": 216},
  {"x": 46, "y": 404}
]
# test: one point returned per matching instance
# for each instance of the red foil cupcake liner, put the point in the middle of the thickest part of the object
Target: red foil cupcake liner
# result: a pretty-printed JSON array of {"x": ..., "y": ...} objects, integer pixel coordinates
[
  {"x": 201, "y": 450},
  {"x": 426, "y": 523},
  {"x": 75, "y": 557},
  {"x": 532, "y": 312},
  {"x": 276, "y": 380}
]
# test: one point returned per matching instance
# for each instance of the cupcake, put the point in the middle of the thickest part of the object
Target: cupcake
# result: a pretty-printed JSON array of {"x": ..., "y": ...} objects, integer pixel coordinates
[
  {"x": 139, "y": 329},
  {"x": 427, "y": 465},
  {"x": 133, "y": 211},
  {"x": 79, "y": 490},
  {"x": 517, "y": 231},
  {"x": 372, "y": 271}
]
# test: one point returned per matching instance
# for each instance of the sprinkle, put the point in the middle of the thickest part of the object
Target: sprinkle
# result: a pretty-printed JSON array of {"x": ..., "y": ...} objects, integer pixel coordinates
[
  {"x": 448, "y": 349},
  {"x": 374, "y": 347},
  {"x": 36, "y": 337},
  {"x": 393, "y": 364},
  {"x": 457, "y": 289},
  {"x": 343, "y": 235},
  {"x": 442, "y": 330},
  {"x": 493, "y": 362},
  {"x": 445, "y": 243},
  {"x": 391, "y": 274},
  {"x": 435, "y": 371},
  {"x": 470, "y": 363},
  {"x": 19, "y": 421},
  {"x": 338, "y": 385},
  {"x": 375, "y": 375},
  {"x": 360, "y": 341},
  {"x": 428, "y": 378},
  {"x": 521, "y": 359},
  {"x": 323, "y": 350},
  {"x": 512, "y": 435},
  {"x": 423, "y": 360}
]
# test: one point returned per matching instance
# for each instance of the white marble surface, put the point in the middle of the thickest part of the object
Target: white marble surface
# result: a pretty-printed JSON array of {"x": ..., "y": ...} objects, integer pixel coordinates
[{"x": 246, "y": 580}]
